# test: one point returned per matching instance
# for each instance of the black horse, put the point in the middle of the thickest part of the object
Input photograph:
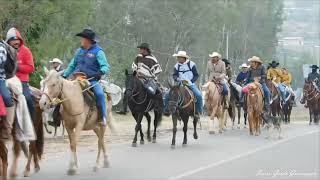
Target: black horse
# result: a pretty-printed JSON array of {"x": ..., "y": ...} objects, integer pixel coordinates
[
  {"x": 181, "y": 106},
  {"x": 235, "y": 104},
  {"x": 140, "y": 102}
]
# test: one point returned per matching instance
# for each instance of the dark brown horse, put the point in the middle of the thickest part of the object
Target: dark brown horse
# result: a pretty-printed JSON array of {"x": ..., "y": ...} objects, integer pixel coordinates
[
  {"x": 235, "y": 105},
  {"x": 35, "y": 149},
  {"x": 287, "y": 108},
  {"x": 182, "y": 106},
  {"x": 312, "y": 96},
  {"x": 275, "y": 106}
]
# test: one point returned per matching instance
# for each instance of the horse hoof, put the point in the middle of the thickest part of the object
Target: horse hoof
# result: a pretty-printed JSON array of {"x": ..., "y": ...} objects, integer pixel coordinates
[
  {"x": 26, "y": 173},
  {"x": 238, "y": 127},
  {"x": 72, "y": 172},
  {"x": 13, "y": 175},
  {"x": 106, "y": 164},
  {"x": 149, "y": 139},
  {"x": 212, "y": 132},
  {"x": 184, "y": 145},
  {"x": 154, "y": 141},
  {"x": 280, "y": 137},
  {"x": 173, "y": 146},
  {"x": 134, "y": 144},
  {"x": 36, "y": 169},
  {"x": 141, "y": 142},
  {"x": 195, "y": 136},
  {"x": 96, "y": 169},
  {"x": 251, "y": 134},
  {"x": 256, "y": 134},
  {"x": 220, "y": 131}
]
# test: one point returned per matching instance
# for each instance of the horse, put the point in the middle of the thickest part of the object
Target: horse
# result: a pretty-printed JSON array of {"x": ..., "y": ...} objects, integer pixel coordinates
[
  {"x": 182, "y": 106},
  {"x": 312, "y": 95},
  {"x": 76, "y": 113},
  {"x": 254, "y": 108},
  {"x": 235, "y": 104},
  {"x": 140, "y": 102},
  {"x": 213, "y": 102},
  {"x": 287, "y": 108},
  {"x": 35, "y": 147},
  {"x": 275, "y": 104}
]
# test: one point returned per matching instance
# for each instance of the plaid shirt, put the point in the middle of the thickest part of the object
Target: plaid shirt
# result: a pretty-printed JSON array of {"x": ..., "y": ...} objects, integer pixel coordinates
[{"x": 3, "y": 58}]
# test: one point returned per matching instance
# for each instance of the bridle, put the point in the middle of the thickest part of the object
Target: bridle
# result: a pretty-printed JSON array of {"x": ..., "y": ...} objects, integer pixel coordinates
[
  {"x": 313, "y": 91},
  {"x": 136, "y": 94},
  {"x": 55, "y": 101}
]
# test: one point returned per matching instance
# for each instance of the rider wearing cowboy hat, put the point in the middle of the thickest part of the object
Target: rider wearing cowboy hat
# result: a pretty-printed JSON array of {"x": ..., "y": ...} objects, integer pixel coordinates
[
  {"x": 314, "y": 75},
  {"x": 56, "y": 64},
  {"x": 242, "y": 76},
  {"x": 91, "y": 60},
  {"x": 185, "y": 70},
  {"x": 216, "y": 72},
  {"x": 274, "y": 72}
]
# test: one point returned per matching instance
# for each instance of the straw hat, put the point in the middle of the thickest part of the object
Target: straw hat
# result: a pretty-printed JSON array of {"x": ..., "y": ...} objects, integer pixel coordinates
[
  {"x": 181, "y": 54},
  {"x": 215, "y": 54},
  {"x": 56, "y": 60},
  {"x": 255, "y": 59}
]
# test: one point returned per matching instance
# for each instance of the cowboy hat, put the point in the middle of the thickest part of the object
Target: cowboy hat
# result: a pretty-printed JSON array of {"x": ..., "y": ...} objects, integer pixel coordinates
[
  {"x": 244, "y": 65},
  {"x": 56, "y": 60},
  {"x": 88, "y": 34},
  {"x": 274, "y": 64},
  {"x": 215, "y": 54},
  {"x": 255, "y": 59},
  {"x": 181, "y": 54},
  {"x": 314, "y": 67},
  {"x": 144, "y": 46}
]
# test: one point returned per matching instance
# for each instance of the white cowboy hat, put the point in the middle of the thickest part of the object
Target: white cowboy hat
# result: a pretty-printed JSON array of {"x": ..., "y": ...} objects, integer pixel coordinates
[
  {"x": 255, "y": 59},
  {"x": 56, "y": 60},
  {"x": 215, "y": 54},
  {"x": 244, "y": 65},
  {"x": 181, "y": 54}
]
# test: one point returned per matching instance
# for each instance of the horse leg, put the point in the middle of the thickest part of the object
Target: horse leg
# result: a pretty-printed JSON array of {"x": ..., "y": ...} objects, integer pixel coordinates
[
  {"x": 174, "y": 130},
  {"x": 221, "y": 119},
  {"x": 185, "y": 129},
  {"x": 106, "y": 163},
  {"x": 4, "y": 160},
  {"x": 250, "y": 119},
  {"x": 147, "y": 115},
  {"x": 16, "y": 152},
  {"x": 239, "y": 116},
  {"x": 310, "y": 116},
  {"x": 72, "y": 165},
  {"x": 138, "y": 117},
  {"x": 195, "y": 121},
  {"x": 26, "y": 172},
  {"x": 155, "y": 124},
  {"x": 97, "y": 166}
]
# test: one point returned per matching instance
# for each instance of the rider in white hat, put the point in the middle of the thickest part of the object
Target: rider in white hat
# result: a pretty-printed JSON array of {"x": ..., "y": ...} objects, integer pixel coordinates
[
  {"x": 242, "y": 76},
  {"x": 56, "y": 64}
]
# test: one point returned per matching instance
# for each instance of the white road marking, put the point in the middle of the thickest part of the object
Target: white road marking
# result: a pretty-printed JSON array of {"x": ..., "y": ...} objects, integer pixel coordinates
[{"x": 214, "y": 164}]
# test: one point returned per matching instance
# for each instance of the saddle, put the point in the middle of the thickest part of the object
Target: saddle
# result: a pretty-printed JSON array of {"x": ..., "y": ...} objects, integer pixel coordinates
[
  {"x": 219, "y": 86},
  {"x": 88, "y": 94}
]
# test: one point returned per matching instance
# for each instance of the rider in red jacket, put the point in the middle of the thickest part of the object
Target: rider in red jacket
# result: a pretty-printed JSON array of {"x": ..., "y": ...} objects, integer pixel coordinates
[{"x": 25, "y": 65}]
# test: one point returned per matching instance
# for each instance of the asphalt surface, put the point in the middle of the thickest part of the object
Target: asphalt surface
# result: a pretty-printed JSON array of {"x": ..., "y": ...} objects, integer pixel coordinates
[{"x": 231, "y": 155}]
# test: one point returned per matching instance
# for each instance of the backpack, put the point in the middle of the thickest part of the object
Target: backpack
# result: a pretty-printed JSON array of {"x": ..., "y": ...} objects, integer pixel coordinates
[
  {"x": 10, "y": 65},
  {"x": 189, "y": 66}
]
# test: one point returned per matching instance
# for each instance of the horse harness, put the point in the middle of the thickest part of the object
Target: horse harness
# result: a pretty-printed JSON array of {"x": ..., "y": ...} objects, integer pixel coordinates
[
  {"x": 312, "y": 91},
  {"x": 181, "y": 97}
]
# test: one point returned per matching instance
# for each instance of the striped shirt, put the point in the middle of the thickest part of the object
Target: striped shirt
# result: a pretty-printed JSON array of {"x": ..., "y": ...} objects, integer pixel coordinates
[{"x": 3, "y": 58}]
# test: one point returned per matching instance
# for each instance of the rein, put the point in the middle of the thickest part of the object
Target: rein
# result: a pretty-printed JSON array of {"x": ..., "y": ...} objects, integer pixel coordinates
[
  {"x": 179, "y": 103},
  {"x": 310, "y": 93}
]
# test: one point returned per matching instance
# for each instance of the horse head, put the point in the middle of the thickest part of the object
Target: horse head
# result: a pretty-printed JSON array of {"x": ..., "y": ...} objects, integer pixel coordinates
[
  {"x": 51, "y": 87},
  {"x": 176, "y": 96}
]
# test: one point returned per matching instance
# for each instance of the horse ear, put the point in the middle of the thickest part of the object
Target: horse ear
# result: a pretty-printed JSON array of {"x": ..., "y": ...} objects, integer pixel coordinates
[{"x": 46, "y": 71}]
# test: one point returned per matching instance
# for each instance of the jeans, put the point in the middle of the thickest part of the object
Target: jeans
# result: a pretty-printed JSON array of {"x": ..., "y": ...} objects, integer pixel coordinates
[
  {"x": 5, "y": 93},
  {"x": 29, "y": 98},
  {"x": 266, "y": 92},
  {"x": 225, "y": 90},
  {"x": 282, "y": 89},
  {"x": 100, "y": 98},
  {"x": 197, "y": 94}
]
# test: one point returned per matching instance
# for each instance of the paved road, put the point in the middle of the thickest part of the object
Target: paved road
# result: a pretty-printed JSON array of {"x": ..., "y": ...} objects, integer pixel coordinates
[{"x": 232, "y": 155}]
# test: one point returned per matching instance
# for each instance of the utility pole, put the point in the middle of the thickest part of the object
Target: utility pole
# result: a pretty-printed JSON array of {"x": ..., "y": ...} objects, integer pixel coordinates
[{"x": 227, "y": 45}]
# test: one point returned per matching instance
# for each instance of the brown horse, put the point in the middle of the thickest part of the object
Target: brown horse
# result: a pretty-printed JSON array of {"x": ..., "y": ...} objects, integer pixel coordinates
[
  {"x": 254, "y": 103},
  {"x": 312, "y": 96},
  {"x": 213, "y": 102},
  {"x": 275, "y": 106},
  {"x": 35, "y": 147},
  {"x": 182, "y": 106}
]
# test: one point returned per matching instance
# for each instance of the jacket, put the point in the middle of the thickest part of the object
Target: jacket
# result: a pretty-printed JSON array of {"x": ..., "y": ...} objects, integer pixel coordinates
[
  {"x": 3, "y": 58},
  {"x": 24, "y": 57},
  {"x": 186, "y": 71},
  {"x": 275, "y": 75},
  {"x": 217, "y": 71},
  {"x": 313, "y": 76},
  {"x": 92, "y": 62},
  {"x": 242, "y": 78},
  {"x": 260, "y": 71},
  {"x": 287, "y": 79},
  {"x": 146, "y": 65}
]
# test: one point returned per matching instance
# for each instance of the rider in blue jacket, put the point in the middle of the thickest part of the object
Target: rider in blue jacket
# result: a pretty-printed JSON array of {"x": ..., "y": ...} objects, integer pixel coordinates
[{"x": 91, "y": 60}]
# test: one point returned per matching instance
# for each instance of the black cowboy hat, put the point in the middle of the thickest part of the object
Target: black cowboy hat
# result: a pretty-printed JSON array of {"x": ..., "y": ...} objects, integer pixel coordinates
[
  {"x": 314, "y": 67},
  {"x": 226, "y": 61},
  {"x": 274, "y": 63},
  {"x": 88, "y": 34},
  {"x": 144, "y": 46}
]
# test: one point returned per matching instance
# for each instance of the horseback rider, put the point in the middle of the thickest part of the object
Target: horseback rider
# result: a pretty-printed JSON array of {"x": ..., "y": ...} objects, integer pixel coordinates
[
  {"x": 242, "y": 76},
  {"x": 91, "y": 60},
  {"x": 275, "y": 74},
  {"x": 286, "y": 83},
  {"x": 185, "y": 71},
  {"x": 56, "y": 64},
  {"x": 5, "y": 93},
  {"x": 216, "y": 72},
  {"x": 314, "y": 76},
  {"x": 257, "y": 70},
  {"x": 147, "y": 68},
  {"x": 25, "y": 65}
]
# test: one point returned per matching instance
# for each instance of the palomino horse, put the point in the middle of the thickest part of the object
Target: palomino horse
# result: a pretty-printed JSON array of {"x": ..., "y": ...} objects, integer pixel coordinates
[
  {"x": 275, "y": 106},
  {"x": 76, "y": 114},
  {"x": 140, "y": 103},
  {"x": 213, "y": 102},
  {"x": 181, "y": 106},
  {"x": 312, "y": 96},
  {"x": 35, "y": 147},
  {"x": 254, "y": 108}
]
